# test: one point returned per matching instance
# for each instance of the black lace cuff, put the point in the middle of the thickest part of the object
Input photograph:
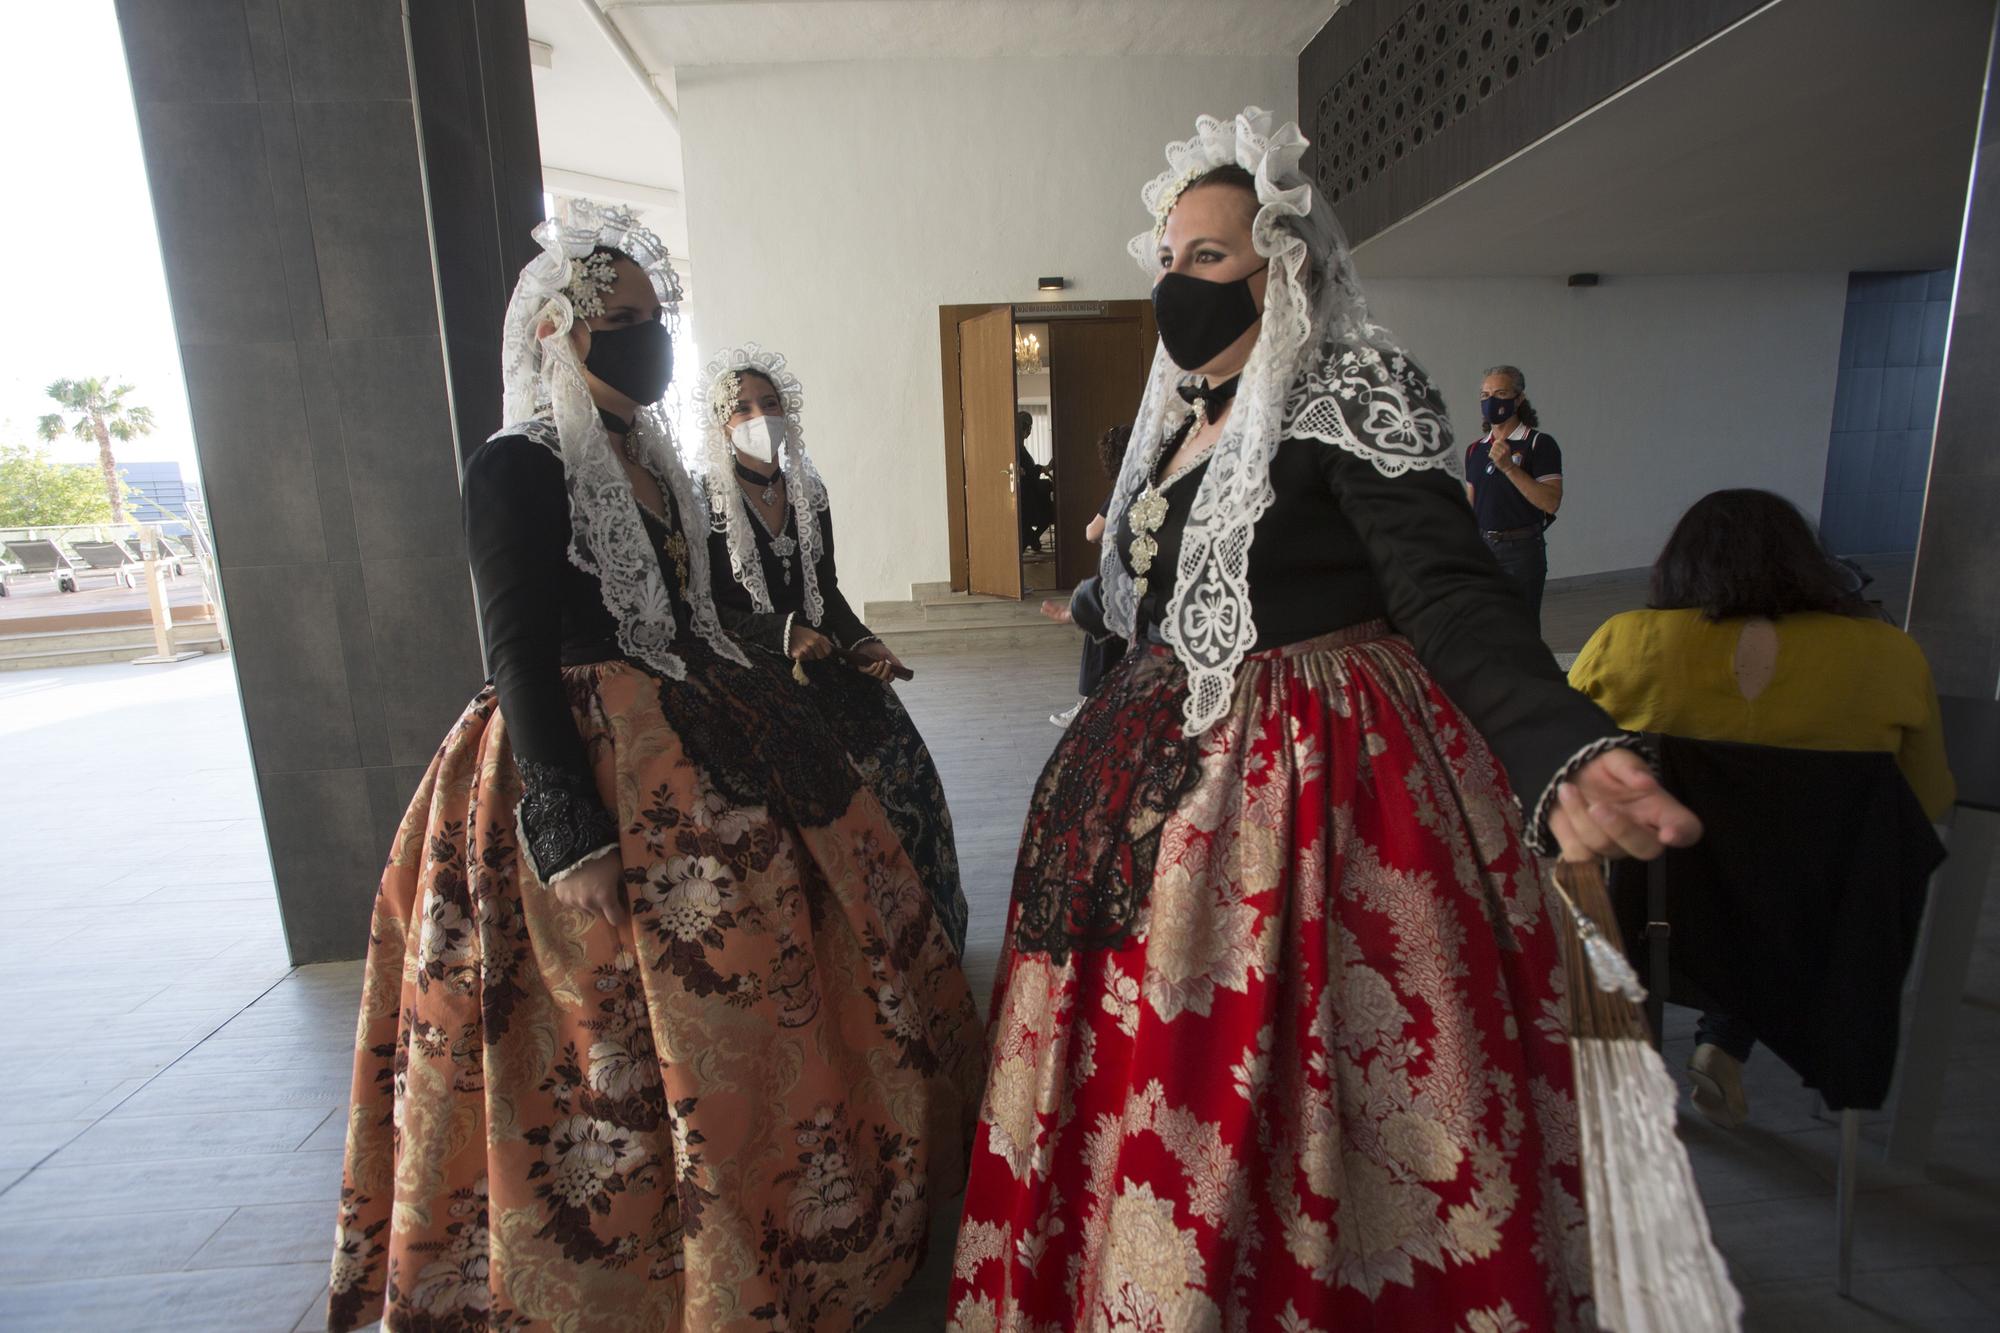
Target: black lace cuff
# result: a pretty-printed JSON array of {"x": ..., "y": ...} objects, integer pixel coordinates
[{"x": 562, "y": 821}]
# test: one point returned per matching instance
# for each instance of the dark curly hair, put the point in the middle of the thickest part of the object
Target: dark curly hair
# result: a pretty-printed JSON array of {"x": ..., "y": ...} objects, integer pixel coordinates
[
  {"x": 1749, "y": 553},
  {"x": 1111, "y": 449}
]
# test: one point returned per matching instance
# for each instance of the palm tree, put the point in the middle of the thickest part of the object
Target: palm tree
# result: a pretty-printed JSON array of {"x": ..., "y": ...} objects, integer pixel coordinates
[{"x": 100, "y": 415}]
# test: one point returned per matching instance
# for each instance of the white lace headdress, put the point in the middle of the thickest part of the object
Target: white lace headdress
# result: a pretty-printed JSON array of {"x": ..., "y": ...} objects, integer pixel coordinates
[
  {"x": 1317, "y": 344},
  {"x": 547, "y": 399},
  {"x": 728, "y": 508}
]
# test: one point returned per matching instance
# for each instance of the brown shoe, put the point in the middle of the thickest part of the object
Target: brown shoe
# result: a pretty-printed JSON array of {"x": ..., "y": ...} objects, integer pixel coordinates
[{"x": 1718, "y": 1086}]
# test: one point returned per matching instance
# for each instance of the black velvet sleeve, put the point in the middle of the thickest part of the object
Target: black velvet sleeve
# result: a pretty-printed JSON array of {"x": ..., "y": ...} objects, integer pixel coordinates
[
  {"x": 517, "y": 536},
  {"x": 1445, "y": 592},
  {"x": 842, "y": 624}
]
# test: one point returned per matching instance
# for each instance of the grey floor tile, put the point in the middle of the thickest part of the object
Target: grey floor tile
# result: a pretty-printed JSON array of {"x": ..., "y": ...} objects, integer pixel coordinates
[
  {"x": 1907, "y": 1298},
  {"x": 331, "y": 1135},
  {"x": 1983, "y": 1281},
  {"x": 24, "y": 1145},
  {"x": 106, "y": 1245},
  {"x": 180, "y": 1093},
  {"x": 218, "y": 1134},
  {"x": 239, "y": 1300},
  {"x": 174, "y": 1185},
  {"x": 286, "y": 1233},
  {"x": 314, "y": 1319}
]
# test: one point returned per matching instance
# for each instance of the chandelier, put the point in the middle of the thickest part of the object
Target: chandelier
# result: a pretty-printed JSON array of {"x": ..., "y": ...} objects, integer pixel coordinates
[{"x": 1028, "y": 352}]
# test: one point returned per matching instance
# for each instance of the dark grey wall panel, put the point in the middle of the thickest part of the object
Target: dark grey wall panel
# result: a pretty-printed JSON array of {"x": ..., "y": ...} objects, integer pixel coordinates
[
  {"x": 367, "y": 207},
  {"x": 212, "y": 204},
  {"x": 419, "y": 613},
  {"x": 282, "y": 142},
  {"x": 256, "y": 462},
  {"x": 1405, "y": 100},
  {"x": 482, "y": 156},
  {"x": 1953, "y": 610},
  {"x": 392, "y": 406},
  {"x": 289, "y": 666},
  {"x": 326, "y": 841},
  {"x": 1885, "y": 403},
  {"x": 197, "y": 51},
  {"x": 350, "y": 51}
]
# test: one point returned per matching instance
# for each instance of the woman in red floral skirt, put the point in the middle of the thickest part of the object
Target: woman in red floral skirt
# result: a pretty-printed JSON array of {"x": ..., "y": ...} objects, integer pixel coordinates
[{"x": 1278, "y": 1038}]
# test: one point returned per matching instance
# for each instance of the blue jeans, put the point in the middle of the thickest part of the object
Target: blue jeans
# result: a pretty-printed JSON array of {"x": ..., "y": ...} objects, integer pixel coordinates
[{"x": 1525, "y": 560}]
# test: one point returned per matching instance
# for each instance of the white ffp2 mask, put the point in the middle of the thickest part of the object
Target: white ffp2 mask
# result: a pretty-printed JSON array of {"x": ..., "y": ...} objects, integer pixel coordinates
[{"x": 760, "y": 437}]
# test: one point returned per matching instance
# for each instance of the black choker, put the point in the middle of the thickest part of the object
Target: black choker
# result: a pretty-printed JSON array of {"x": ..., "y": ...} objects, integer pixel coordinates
[
  {"x": 1210, "y": 396},
  {"x": 614, "y": 423},
  {"x": 754, "y": 477}
]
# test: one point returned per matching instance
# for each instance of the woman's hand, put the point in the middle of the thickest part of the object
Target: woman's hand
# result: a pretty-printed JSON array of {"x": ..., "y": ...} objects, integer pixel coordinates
[
  {"x": 1095, "y": 532},
  {"x": 595, "y": 886},
  {"x": 808, "y": 644},
  {"x": 1616, "y": 807},
  {"x": 882, "y": 663},
  {"x": 1057, "y": 611}
]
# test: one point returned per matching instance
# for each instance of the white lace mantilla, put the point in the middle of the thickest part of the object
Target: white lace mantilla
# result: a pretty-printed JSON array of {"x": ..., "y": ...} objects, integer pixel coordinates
[
  {"x": 729, "y": 508},
  {"x": 548, "y": 400},
  {"x": 1317, "y": 357}
]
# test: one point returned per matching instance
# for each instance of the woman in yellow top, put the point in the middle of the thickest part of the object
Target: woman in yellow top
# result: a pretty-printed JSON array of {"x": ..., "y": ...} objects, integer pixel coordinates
[{"x": 1753, "y": 636}]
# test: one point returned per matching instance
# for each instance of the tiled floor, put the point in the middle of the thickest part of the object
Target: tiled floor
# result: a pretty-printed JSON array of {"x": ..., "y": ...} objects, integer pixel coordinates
[{"x": 170, "y": 1090}]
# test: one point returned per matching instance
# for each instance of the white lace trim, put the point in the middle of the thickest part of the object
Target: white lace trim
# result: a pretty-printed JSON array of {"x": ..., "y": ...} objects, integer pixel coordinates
[
  {"x": 729, "y": 510},
  {"x": 1208, "y": 619},
  {"x": 545, "y": 388},
  {"x": 1401, "y": 427}
]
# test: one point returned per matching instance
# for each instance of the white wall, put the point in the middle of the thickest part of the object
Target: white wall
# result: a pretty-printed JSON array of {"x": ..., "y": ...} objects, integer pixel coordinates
[
  {"x": 832, "y": 208},
  {"x": 1658, "y": 389}
]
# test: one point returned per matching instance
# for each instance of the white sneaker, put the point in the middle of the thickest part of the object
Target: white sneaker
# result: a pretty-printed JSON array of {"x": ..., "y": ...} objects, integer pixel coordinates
[
  {"x": 1717, "y": 1077},
  {"x": 1067, "y": 716}
]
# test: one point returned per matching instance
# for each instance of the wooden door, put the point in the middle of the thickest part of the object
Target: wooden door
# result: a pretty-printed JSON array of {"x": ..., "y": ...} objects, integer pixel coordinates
[
  {"x": 986, "y": 435},
  {"x": 1097, "y": 373}
]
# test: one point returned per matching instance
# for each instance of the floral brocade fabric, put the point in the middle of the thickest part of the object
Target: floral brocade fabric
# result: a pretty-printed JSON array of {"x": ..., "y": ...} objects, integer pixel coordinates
[
  {"x": 871, "y": 722},
  {"x": 1318, "y": 1078},
  {"x": 738, "y": 1111}
]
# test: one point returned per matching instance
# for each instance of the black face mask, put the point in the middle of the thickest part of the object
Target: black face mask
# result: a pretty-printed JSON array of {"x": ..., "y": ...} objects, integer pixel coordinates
[
  {"x": 637, "y": 360},
  {"x": 1198, "y": 319}
]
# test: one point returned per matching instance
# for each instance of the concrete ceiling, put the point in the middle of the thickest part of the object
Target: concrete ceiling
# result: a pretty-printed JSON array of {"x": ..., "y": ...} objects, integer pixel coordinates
[
  {"x": 728, "y": 32},
  {"x": 1815, "y": 135},
  {"x": 602, "y": 137}
]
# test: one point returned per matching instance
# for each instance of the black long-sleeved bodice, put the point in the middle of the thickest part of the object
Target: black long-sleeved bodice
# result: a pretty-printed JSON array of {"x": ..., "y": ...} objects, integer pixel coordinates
[
  {"x": 784, "y": 581},
  {"x": 1342, "y": 544},
  {"x": 539, "y": 613}
]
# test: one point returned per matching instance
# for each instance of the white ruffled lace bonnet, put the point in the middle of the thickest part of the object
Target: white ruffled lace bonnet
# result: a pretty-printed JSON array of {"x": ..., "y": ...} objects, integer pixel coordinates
[
  {"x": 729, "y": 510},
  {"x": 547, "y": 399},
  {"x": 1317, "y": 347}
]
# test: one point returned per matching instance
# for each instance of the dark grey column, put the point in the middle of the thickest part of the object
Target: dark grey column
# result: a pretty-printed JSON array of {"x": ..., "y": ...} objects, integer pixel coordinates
[
  {"x": 1954, "y": 612},
  {"x": 283, "y": 148}
]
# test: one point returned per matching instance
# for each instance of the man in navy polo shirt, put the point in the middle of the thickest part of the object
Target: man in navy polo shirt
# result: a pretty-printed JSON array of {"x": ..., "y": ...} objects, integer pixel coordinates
[{"x": 1513, "y": 477}]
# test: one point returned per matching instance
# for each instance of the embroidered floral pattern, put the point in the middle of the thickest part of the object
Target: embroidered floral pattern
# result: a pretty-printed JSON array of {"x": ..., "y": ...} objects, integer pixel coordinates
[
  {"x": 1302, "y": 1086},
  {"x": 547, "y": 1111}
]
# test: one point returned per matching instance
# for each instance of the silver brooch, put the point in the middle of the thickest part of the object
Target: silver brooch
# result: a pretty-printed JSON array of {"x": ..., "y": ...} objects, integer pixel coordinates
[{"x": 589, "y": 279}]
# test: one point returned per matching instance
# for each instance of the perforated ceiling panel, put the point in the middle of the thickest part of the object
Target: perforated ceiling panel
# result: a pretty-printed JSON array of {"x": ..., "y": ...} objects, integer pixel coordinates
[{"x": 1434, "y": 63}]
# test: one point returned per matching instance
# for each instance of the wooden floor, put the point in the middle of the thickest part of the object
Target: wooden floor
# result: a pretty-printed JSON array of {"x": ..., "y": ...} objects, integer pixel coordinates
[{"x": 170, "y": 1091}]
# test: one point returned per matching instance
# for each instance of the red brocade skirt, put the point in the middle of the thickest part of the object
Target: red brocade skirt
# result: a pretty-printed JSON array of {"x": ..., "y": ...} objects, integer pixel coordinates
[{"x": 1277, "y": 1041}]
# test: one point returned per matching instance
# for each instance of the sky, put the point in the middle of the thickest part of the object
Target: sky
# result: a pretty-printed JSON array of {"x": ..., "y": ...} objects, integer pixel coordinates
[{"x": 89, "y": 296}]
